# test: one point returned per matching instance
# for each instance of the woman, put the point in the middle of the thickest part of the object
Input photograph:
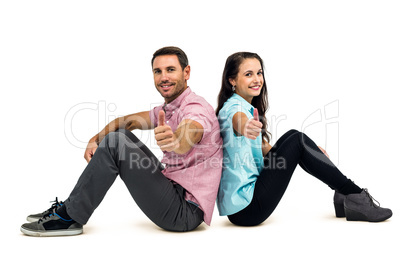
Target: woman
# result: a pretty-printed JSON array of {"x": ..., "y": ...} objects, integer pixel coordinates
[{"x": 255, "y": 175}]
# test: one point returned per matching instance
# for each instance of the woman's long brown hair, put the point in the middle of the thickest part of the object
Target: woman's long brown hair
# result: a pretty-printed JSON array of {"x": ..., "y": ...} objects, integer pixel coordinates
[{"x": 230, "y": 71}]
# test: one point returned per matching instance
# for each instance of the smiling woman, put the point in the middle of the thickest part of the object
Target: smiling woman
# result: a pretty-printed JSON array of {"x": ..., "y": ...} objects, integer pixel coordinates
[
  {"x": 249, "y": 82},
  {"x": 249, "y": 192}
]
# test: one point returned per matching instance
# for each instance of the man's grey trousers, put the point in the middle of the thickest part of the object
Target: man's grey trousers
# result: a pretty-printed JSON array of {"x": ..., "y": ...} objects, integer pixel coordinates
[{"x": 122, "y": 153}]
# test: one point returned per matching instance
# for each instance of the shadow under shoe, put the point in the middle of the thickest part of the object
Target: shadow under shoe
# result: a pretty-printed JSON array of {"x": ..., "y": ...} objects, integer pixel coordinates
[{"x": 361, "y": 207}]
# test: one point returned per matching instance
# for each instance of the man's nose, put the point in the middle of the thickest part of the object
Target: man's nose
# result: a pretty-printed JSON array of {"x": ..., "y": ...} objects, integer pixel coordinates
[{"x": 164, "y": 76}]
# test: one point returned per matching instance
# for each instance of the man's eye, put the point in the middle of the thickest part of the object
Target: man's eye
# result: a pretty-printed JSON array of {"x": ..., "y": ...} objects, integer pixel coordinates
[
  {"x": 157, "y": 72},
  {"x": 171, "y": 70}
]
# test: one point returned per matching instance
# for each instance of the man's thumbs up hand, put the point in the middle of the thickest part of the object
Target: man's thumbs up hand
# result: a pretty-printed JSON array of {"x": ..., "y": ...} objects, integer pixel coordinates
[
  {"x": 161, "y": 118},
  {"x": 164, "y": 136}
]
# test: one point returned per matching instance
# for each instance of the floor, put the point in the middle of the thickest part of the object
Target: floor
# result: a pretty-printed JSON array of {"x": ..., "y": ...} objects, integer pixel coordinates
[{"x": 300, "y": 232}]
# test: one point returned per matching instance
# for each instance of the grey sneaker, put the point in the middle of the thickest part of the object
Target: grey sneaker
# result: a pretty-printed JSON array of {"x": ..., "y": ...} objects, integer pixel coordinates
[
  {"x": 361, "y": 207},
  {"x": 35, "y": 217},
  {"x": 52, "y": 225}
]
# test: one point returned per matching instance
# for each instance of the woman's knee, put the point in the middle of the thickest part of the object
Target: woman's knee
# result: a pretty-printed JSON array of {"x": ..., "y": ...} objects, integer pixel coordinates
[{"x": 292, "y": 132}]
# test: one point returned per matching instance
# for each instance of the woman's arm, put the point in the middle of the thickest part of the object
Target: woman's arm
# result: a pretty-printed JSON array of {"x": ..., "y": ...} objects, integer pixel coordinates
[
  {"x": 249, "y": 128},
  {"x": 266, "y": 147}
]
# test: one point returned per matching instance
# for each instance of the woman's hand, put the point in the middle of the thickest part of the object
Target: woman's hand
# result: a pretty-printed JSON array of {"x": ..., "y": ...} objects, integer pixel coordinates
[
  {"x": 322, "y": 150},
  {"x": 249, "y": 128},
  {"x": 252, "y": 129}
]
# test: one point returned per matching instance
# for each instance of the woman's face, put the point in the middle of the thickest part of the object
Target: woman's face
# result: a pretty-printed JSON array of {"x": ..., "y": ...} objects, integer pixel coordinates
[{"x": 249, "y": 79}]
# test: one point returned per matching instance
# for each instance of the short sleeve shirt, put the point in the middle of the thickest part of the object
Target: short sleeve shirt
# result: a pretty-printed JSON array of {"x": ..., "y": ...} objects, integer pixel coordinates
[
  {"x": 199, "y": 170},
  {"x": 242, "y": 159}
]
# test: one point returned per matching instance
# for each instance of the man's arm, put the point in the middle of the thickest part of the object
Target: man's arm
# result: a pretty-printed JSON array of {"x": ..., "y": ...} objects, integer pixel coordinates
[
  {"x": 130, "y": 122},
  {"x": 187, "y": 134},
  {"x": 139, "y": 120}
]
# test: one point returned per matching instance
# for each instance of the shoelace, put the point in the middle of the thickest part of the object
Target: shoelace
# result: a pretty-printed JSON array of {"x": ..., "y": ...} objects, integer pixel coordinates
[
  {"x": 52, "y": 209},
  {"x": 371, "y": 198},
  {"x": 45, "y": 217},
  {"x": 55, "y": 204}
]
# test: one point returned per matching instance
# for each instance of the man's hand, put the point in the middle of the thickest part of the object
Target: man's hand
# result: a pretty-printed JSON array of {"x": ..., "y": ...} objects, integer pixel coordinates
[
  {"x": 90, "y": 151},
  {"x": 253, "y": 127},
  {"x": 164, "y": 136}
]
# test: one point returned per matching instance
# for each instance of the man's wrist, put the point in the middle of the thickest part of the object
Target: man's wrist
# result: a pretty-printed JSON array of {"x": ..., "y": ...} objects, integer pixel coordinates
[{"x": 95, "y": 139}]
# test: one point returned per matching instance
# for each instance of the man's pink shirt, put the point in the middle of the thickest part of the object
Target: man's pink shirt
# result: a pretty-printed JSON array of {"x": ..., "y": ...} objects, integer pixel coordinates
[{"x": 199, "y": 170}]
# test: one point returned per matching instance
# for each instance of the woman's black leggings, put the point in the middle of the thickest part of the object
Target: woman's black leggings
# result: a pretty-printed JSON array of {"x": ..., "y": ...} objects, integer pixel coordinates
[{"x": 291, "y": 149}]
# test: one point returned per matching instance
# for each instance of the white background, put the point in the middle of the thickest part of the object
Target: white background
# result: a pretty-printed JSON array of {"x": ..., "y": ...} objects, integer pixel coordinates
[{"x": 69, "y": 67}]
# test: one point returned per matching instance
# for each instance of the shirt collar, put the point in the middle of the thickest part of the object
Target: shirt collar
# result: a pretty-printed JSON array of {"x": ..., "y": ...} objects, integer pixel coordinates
[
  {"x": 247, "y": 105},
  {"x": 169, "y": 107}
]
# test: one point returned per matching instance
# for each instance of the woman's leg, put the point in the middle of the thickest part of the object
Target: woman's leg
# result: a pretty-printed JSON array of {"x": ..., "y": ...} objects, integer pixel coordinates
[
  {"x": 291, "y": 149},
  {"x": 121, "y": 153}
]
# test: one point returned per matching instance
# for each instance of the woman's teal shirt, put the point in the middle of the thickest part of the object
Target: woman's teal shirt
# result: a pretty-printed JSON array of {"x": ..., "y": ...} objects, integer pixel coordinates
[{"x": 242, "y": 159}]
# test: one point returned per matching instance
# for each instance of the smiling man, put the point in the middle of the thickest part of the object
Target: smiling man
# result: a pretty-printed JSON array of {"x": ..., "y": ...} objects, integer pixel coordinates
[{"x": 177, "y": 197}]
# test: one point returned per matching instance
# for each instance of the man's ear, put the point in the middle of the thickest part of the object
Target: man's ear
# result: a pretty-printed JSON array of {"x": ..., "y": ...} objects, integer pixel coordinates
[{"x": 187, "y": 72}]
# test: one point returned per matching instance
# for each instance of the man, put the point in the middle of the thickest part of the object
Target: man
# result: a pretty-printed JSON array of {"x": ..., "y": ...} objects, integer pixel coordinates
[{"x": 178, "y": 197}]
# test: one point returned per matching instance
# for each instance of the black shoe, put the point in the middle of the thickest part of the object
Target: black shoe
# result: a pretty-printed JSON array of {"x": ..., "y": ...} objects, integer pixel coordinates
[
  {"x": 53, "y": 208},
  {"x": 361, "y": 207},
  {"x": 52, "y": 225},
  {"x": 338, "y": 204}
]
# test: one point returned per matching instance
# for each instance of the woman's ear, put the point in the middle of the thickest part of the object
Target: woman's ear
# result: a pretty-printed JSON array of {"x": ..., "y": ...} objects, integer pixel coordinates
[{"x": 232, "y": 82}]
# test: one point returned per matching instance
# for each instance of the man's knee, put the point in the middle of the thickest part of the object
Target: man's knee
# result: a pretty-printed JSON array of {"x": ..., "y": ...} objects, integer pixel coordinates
[
  {"x": 118, "y": 135},
  {"x": 111, "y": 140},
  {"x": 124, "y": 131}
]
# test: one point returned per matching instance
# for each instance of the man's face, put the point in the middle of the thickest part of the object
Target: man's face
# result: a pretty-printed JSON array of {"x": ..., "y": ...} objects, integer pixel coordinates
[{"x": 170, "y": 80}]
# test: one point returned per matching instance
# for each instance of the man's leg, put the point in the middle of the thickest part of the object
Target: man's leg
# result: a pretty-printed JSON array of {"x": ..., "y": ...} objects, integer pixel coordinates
[{"x": 121, "y": 153}]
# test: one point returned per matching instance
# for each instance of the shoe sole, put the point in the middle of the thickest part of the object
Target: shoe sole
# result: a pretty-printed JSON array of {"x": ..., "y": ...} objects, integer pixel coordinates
[
  {"x": 352, "y": 215},
  {"x": 51, "y": 233}
]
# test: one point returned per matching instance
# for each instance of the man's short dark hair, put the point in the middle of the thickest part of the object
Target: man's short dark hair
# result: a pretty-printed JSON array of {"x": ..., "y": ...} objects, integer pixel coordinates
[{"x": 172, "y": 51}]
